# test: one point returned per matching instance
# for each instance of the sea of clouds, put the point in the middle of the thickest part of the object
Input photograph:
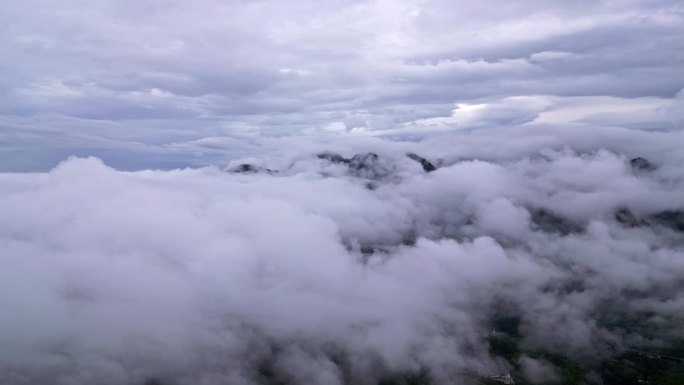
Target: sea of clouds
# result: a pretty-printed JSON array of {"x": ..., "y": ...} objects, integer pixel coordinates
[{"x": 313, "y": 271}]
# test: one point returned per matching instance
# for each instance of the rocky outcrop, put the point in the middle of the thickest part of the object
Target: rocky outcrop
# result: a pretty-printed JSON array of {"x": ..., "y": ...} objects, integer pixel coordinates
[
  {"x": 370, "y": 162},
  {"x": 364, "y": 162},
  {"x": 549, "y": 222},
  {"x": 642, "y": 164},
  {"x": 333, "y": 158},
  {"x": 247, "y": 168},
  {"x": 365, "y": 165},
  {"x": 368, "y": 165},
  {"x": 672, "y": 219},
  {"x": 427, "y": 166},
  {"x": 626, "y": 218}
]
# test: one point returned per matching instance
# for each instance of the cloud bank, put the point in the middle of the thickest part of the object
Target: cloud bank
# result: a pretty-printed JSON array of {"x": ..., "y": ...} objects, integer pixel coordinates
[{"x": 333, "y": 272}]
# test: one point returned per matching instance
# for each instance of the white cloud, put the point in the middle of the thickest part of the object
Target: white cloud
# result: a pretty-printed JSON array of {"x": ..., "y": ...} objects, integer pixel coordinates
[{"x": 202, "y": 275}]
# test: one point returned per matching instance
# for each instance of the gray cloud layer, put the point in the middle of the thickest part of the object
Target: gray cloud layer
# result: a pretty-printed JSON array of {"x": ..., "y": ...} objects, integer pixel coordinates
[{"x": 129, "y": 79}]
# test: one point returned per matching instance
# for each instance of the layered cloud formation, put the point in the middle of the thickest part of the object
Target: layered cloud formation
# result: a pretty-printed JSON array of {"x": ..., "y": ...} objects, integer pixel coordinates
[
  {"x": 340, "y": 192},
  {"x": 145, "y": 83},
  {"x": 331, "y": 271}
]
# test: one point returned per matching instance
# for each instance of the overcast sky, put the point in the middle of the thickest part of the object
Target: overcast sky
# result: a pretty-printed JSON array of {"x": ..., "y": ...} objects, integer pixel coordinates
[
  {"x": 164, "y": 83},
  {"x": 356, "y": 270}
]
